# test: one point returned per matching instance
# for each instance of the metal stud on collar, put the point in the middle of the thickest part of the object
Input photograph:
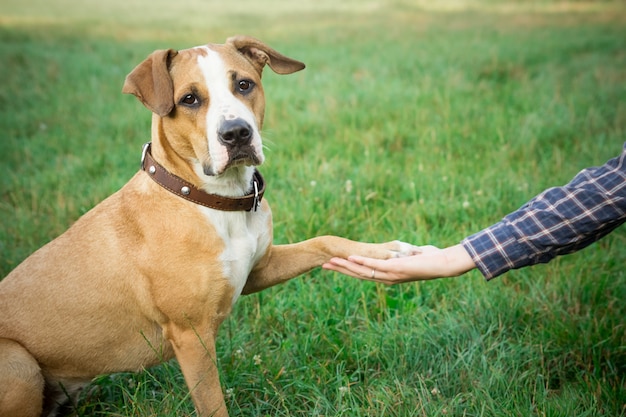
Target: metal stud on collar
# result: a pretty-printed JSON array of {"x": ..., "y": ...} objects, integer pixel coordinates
[{"x": 185, "y": 190}]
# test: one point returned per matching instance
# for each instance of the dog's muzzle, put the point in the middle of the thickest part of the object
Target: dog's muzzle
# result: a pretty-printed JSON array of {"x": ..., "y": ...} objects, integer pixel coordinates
[{"x": 237, "y": 137}]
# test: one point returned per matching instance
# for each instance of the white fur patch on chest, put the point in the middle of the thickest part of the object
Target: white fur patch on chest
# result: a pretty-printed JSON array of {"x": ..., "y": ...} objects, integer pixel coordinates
[{"x": 246, "y": 238}]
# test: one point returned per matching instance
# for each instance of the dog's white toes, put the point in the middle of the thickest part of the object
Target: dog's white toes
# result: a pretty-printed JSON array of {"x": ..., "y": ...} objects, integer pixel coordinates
[{"x": 405, "y": 249}]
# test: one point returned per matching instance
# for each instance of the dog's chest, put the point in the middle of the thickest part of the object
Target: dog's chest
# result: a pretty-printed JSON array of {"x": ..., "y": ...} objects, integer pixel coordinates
[{"x": 246, "y": 238}]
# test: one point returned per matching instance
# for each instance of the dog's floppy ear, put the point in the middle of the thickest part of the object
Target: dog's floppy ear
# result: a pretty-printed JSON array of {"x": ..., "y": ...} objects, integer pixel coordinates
[
  {"x": 260, "y": 54},
  {"x": 151, "y": 82}
]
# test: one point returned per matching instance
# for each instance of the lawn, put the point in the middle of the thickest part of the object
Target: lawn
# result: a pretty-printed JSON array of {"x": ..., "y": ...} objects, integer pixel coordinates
[{"x": 412, "y": 121}]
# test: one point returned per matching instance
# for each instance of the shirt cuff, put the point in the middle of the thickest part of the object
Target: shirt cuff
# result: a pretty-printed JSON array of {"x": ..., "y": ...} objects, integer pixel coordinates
[{"x": 495, "y": 250}]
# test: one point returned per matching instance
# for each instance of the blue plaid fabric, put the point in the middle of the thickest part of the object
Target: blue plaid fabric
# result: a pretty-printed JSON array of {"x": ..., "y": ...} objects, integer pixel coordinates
[{"x": 558, "y": 221}]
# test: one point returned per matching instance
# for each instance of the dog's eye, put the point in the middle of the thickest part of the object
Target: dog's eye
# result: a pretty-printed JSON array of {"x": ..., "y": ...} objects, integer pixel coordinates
[
  {"x": 189, "y": 100},
  {"x": 245, "y": 86}
]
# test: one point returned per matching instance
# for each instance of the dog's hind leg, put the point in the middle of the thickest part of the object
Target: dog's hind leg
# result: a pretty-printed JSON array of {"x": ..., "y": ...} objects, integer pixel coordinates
[{"x": 21, "y": 381}]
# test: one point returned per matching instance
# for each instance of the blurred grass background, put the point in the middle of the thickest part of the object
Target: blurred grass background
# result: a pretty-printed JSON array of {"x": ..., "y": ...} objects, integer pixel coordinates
[{"x": 422, "y": 121}]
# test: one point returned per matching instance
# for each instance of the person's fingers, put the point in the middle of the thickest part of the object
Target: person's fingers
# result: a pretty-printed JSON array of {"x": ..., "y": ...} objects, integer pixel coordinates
[
  {"x": 362, "y": 272},
  {"x": 339, "y": 265},
  {"x": 372, "y": 263},
  {"x": 350, "y": 268}
]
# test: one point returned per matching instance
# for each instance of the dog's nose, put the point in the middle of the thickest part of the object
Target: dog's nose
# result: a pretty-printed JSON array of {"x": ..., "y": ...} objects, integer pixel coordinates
[{"x": 235, "y": 132}]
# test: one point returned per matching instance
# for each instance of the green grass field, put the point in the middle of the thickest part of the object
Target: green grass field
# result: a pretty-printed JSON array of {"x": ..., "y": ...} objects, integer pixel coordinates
[{"x": 411, "y": 122}]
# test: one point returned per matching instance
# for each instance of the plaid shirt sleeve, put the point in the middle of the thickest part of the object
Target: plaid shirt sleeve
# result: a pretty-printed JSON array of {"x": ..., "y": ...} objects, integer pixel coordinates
[{"x": 559, "y": 221}]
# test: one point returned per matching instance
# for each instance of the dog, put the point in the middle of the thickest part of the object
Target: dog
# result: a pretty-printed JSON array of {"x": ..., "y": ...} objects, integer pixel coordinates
[{"x": 151, "y": 272}]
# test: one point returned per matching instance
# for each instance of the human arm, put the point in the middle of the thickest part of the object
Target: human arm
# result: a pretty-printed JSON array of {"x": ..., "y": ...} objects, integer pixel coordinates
[{"x": 559, "y": 221}]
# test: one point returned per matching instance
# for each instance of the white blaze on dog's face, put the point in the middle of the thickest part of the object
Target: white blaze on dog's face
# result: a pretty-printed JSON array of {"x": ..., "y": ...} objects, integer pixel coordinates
[
  {"x": 233, "y": 122},
  {"x": 224, "y": 100}
]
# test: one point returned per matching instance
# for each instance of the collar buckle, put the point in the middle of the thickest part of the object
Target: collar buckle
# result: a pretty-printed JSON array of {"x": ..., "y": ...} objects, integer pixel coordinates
[
  {"x": 144, "y": 151},
  {"x": 257, "y": 201}
]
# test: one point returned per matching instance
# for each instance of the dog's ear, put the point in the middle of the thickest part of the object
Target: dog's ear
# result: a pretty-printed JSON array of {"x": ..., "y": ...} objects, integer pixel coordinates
[
  {"x": 151, "y": 82},
  {"x": 260, "y": 54}
]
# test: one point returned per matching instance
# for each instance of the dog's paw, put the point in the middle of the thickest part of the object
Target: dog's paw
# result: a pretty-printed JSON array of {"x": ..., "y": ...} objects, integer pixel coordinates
[{"x": 401, "y": 249}]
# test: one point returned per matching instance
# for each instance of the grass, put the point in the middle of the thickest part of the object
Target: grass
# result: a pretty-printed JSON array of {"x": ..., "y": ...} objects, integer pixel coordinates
[{"x": 411, "y": 121}]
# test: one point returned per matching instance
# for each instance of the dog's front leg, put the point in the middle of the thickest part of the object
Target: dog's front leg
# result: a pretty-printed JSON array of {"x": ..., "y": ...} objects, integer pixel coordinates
[
  {"x": 283, "y": 262},
  {"x": 195, "y": 352}
]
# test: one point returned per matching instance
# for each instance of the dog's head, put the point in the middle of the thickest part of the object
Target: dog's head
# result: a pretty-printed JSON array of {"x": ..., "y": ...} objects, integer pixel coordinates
[{"x": 209, "y": 101}]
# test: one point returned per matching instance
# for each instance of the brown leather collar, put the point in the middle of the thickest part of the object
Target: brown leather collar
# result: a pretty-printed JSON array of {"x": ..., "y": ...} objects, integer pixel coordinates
[{"x": 188, "y": 191}]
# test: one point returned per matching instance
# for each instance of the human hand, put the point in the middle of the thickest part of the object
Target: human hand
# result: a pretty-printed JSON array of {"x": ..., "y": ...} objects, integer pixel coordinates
[{"x": 430, "y": 263}]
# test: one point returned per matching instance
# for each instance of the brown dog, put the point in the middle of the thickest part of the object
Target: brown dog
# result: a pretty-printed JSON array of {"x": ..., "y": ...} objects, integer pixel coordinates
[{"x": 152, "y": 271}]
